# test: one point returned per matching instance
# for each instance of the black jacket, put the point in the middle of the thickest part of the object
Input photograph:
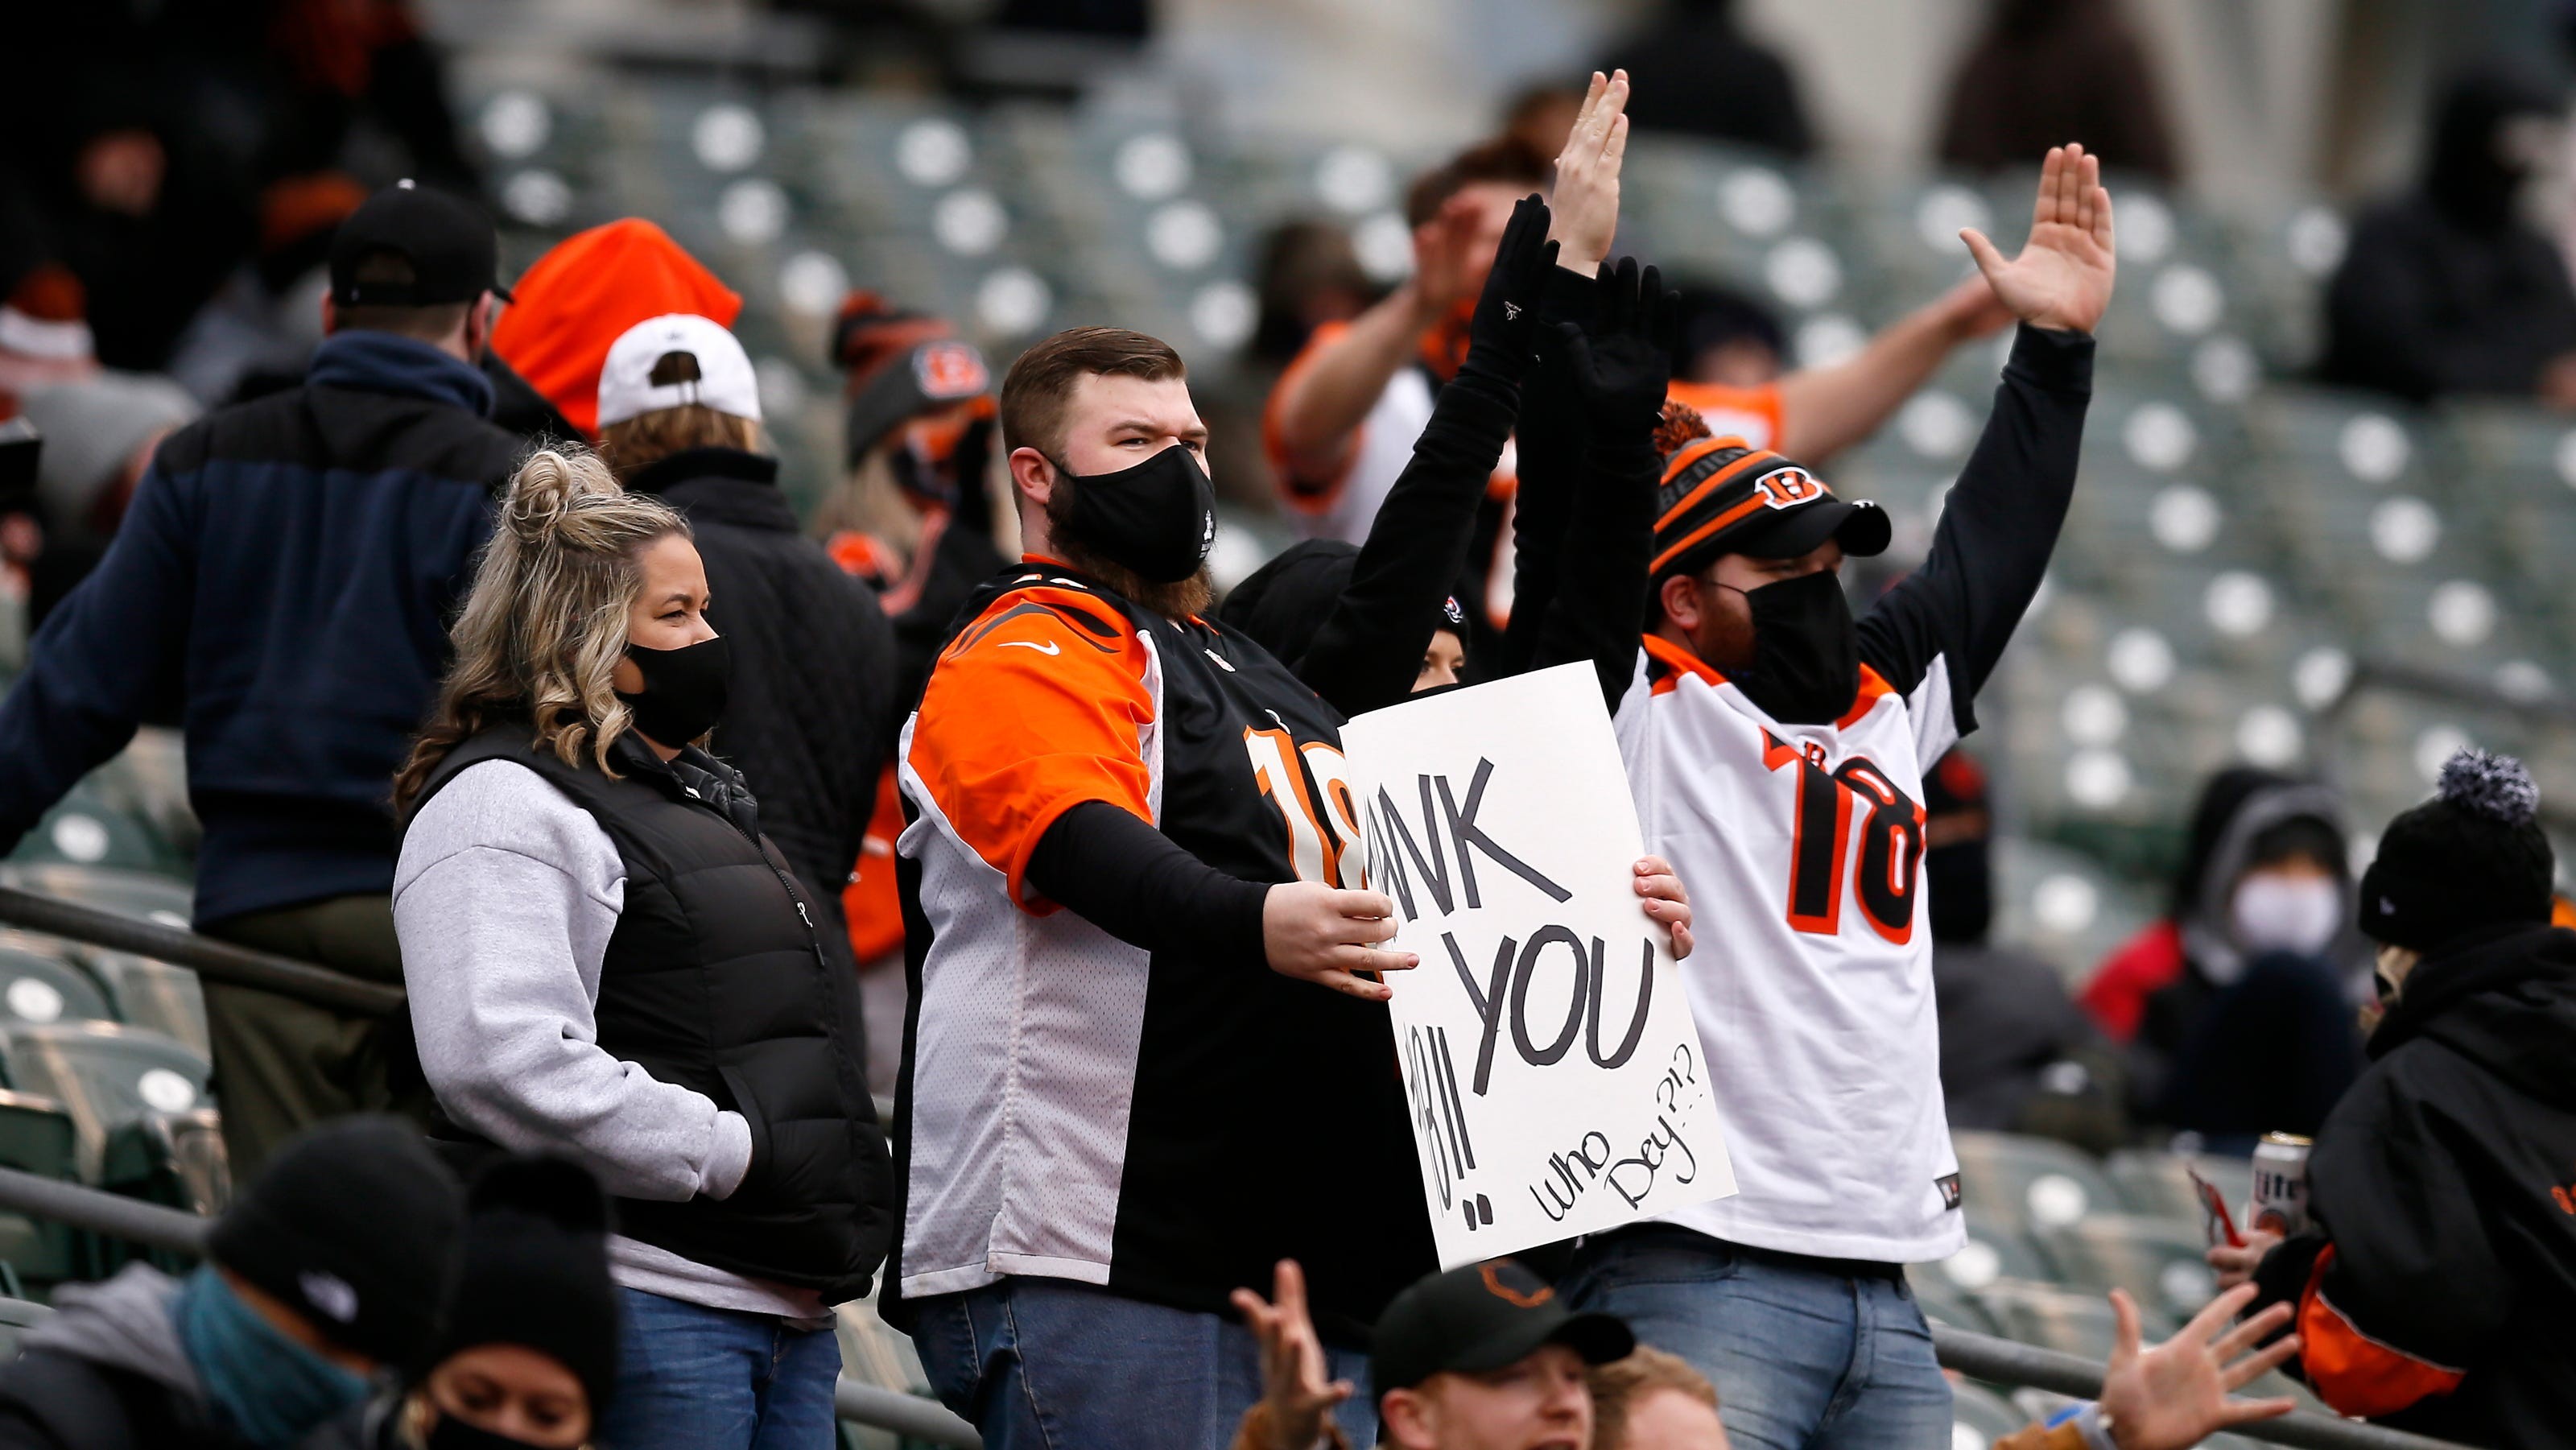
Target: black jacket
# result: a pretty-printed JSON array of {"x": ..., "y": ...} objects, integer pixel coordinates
[
  {"x": 288, "y": 570},
  {"x": 811, "y": 718},
  {"x": 716, "y": 979},
  {"x": 2437, "y": 1288}
]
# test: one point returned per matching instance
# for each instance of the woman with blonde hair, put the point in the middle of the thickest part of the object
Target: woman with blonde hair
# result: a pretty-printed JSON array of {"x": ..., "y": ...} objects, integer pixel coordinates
[{"x": 607, "y": 960}]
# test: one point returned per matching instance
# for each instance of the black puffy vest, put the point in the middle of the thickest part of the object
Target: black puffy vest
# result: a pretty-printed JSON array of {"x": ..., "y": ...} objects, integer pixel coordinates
[{"x": 715, "y": 980}]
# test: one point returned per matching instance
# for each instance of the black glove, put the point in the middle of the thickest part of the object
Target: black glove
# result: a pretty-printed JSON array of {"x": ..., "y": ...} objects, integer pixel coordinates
[
  {"x": 1623, "y": 364},
  {"x": 1502, "y": 336}
]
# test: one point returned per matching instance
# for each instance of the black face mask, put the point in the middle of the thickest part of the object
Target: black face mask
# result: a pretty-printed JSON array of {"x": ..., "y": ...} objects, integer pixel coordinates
[
  {"x": 1157, "y": 518},
  {"x": 684, "y": 690},
  {"x": 1806, "y": 655},
  {"x": 451, "y": 1433}
]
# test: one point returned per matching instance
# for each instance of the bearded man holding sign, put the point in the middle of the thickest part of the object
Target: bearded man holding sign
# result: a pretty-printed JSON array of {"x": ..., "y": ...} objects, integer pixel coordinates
[
  {"x": 1776, "y": 751},
  {"x": 1149, "y": 1054}
]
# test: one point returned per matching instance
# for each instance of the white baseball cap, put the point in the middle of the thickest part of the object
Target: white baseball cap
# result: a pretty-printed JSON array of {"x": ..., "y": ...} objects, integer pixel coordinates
[{"x": 724, "y": 378}]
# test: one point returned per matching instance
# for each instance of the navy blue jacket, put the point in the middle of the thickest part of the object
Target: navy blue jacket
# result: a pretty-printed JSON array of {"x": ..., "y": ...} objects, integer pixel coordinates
[{"x": 286, "y": 575}]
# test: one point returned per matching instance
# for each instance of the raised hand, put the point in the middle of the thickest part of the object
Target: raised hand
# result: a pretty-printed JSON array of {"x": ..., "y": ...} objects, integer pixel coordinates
[
  {"x": 1622, "y": 366},
  {"x": 2062, "y": 279},
  {"x": 1296, "y": 1396},
  {"x": 1502, "y": 334},
  {"x": 1587, "y": 175},
  {"x": 2176, "y": 1394}
]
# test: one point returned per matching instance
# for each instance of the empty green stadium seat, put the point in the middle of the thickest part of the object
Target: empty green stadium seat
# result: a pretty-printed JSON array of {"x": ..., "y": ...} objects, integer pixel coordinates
[
  {"x": 104, "y": 1075},
  {"x": 1979, "y": 1417},
  {"x": 2158, "y": 1184},
  {"x": 2159, "y": 1261},
  {"x": 2030, "y": 1183},
  {"x": 17, "y": 1316},
  {"x": 173, "y": 1159},
  {"x": 41, "y": 987},
  {"x": 2072, "y": 1321}
]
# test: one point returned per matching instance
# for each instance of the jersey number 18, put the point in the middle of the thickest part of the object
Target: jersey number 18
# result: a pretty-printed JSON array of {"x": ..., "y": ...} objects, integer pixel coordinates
[{"x": 1891, "y": 846}]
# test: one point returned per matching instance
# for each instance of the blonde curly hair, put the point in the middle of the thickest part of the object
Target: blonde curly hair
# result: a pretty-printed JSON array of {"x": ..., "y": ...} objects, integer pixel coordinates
[{"x": 545, "y": 625}]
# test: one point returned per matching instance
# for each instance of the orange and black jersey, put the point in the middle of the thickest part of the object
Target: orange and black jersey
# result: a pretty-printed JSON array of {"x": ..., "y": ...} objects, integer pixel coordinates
[
  {"x": 2437, "y": 1290},
  {"x": 1098, "y": 1087}
]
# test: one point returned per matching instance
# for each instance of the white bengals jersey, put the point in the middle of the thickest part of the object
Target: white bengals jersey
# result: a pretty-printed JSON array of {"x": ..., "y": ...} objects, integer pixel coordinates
[{"x": 1802, "y": 846}]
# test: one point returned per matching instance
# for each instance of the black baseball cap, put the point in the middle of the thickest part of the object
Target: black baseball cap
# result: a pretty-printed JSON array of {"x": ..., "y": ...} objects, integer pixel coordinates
[
  {"x": 1483, "y": 1317},
  {"x": 1724, "y": 496},
  {"x": 455, "y": 256}
]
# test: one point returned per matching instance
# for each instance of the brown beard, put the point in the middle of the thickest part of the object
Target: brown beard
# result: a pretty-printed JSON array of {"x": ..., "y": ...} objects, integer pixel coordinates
[{"x": 1178, "y": 600}]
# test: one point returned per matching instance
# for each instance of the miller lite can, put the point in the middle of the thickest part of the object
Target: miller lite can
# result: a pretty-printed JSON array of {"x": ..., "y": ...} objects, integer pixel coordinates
[{"x": 2280, "y": 1203}]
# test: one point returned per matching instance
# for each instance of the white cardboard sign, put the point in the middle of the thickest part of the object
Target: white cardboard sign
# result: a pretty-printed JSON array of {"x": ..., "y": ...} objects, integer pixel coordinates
[{"x": 1550, "y": 1062}]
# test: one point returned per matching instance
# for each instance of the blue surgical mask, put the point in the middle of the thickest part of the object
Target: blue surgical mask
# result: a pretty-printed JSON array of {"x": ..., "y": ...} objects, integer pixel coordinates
[{"x": 264, "y": 1387}]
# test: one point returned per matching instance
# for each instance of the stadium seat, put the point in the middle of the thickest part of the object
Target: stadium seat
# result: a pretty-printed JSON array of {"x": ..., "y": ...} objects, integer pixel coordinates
[
  {"x": 1995, "y": 1250},
  {"x": 85, "y": 830},
  {"x": 173, "y": 1159},
  {"x": 43, "y": 986},
  {"x": 104, "y": 1075},
  {"x": 1944, "y": 1302},
  {"x": 37, "y": 1136},
  {"x": 1979, "y": 1417},
  {"x": 17, "y": 1316},
  {"x": 2158, "y": 1184},
  {"x": 2072, "y": 1321},
  {"x": 2030, "y": 1184},
  {"x": 2159, "y": 1261}
]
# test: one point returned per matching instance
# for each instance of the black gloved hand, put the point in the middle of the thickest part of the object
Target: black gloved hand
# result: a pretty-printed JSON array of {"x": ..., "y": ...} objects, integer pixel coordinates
[
  {"x": 1623, "y": 364},
  {"x": 1502, "y": 336}
]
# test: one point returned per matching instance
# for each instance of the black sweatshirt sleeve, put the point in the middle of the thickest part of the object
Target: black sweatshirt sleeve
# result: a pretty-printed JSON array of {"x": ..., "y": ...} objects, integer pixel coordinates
[
  {"x": 1110, "y": 867},
  {"x": 1550, "y": 444},
  {"x": 1997, "y": 529},
  {"x": 1597, "y": 609},
  {"x": 1369, "y": 652}
]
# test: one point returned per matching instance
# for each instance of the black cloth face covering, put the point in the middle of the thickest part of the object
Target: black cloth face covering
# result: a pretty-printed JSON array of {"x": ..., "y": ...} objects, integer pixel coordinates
[
  {"x": 1157, "y": 518},
  {"x": 1806, "y": 650},
  {"x": 684, "y": 690}
]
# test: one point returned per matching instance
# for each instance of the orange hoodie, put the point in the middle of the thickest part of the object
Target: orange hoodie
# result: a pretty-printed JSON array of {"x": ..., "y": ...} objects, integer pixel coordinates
[{"x": 583, "y": 295}]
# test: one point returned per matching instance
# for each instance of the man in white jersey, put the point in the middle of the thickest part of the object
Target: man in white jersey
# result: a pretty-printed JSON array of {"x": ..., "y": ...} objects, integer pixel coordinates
[{"x": 1777, "y": 749}]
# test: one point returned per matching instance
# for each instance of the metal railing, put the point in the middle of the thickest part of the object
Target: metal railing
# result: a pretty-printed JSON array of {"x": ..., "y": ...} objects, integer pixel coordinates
[
  {"x": 215, "y": 961},
  {"x": 1976, "y": 1356}
]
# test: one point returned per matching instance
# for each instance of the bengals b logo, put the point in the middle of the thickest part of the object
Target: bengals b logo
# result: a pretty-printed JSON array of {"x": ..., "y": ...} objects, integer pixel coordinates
[
  {"x": 949, "y": 369},
  {"x": 1787, "y": 487}
]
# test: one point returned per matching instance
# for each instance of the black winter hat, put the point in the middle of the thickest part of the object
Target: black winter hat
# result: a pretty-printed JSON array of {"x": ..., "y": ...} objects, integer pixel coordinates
[
  {"x": 534, "y": 1271},
  {"x": 2472, "y": 856},
  {"x": 1283, "y": 604},
  {"x": 352, "y": 1225}
]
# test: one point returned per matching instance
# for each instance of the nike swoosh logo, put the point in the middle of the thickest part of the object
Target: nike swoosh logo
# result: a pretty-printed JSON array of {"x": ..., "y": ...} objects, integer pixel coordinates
[{"x": 1048, "y": 648}]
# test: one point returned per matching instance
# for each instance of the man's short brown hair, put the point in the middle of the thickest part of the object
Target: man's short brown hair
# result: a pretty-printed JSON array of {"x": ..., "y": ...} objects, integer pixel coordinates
[
  {"x": 1506, "y": 159},
  {"x": 1620, "y": 1385},
  {"x": 1041, "y": 383}
]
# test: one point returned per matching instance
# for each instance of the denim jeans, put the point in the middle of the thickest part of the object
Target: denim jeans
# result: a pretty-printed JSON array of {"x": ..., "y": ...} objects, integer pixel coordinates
[
  {"x": 694, "y": 1378},
  {"x": 1803, "y": 1358},
  {"x": 1049, "y": 1364}
]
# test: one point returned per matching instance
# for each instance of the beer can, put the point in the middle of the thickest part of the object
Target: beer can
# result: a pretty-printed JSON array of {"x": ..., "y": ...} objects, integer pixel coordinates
[{"x": 2280, "y": 1203}]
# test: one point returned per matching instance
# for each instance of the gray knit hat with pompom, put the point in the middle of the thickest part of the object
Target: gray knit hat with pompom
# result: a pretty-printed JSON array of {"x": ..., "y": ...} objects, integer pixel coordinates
[{"x": 2472, "y": 856}]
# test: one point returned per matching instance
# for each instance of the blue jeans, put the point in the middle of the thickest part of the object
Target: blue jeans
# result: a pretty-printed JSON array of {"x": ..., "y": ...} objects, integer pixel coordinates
[
  {"x": 1049, "y": 1364},
  {"x": 1803, "y": 1358},
  {"x": 694, "y": 1378}
]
